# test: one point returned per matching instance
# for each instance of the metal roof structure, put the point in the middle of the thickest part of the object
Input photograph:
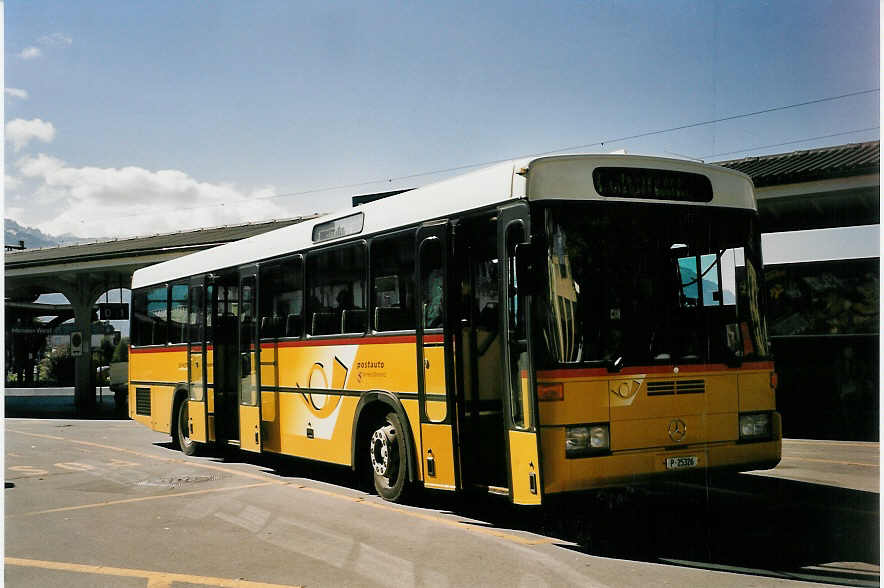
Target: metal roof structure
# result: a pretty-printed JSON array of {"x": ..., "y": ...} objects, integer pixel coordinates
[
  {"x": 821, "y": 188},
  {"x": 811, "y": 164},
  {"x": 31, "y": 272},
  {"x": 182, "y": 241}
]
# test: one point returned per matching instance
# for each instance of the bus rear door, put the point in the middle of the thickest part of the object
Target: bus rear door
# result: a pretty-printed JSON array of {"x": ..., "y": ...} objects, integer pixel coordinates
[
  {"x": 520, "y": 400},
  {"x": 197, "y": 411},
  {"x": 249, "y": 360},
  {"x": 433, "y": 363}
]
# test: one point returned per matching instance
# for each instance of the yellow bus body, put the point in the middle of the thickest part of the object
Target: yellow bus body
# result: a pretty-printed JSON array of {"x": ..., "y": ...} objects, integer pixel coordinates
[
  {"x": 310, "y": 391},
  {"x": 708, "y": 404},
  {"x": 314, "y": 386}
]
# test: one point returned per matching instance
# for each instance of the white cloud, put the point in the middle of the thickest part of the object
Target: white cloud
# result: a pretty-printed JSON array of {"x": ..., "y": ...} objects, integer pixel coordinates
[
  {"x": 104, "y": 202},
  {"x": 20, "y": 132},
  {"x": 17, "y": 93},
  {"x": 30, "y": 53},
  {"x": 55, "y": 40},
  {"x": 11, "y": 182}
]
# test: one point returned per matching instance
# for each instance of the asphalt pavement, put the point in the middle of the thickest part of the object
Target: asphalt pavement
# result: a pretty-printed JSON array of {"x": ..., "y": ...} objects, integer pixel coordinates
[{"x": 110, "y": 503}]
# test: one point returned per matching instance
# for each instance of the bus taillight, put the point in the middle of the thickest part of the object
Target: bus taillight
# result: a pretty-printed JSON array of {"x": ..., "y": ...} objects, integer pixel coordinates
[{"x": 550, "y": 391}]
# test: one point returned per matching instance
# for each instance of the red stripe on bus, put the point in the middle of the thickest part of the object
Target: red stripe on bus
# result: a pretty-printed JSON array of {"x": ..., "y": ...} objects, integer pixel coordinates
[
  {"x": 355, "y": 341},
  {"x": 652, "y": 369},
  {"x": 307, "y": 343}
]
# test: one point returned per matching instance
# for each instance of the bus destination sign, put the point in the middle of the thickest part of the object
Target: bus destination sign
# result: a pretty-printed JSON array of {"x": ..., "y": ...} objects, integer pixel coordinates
[
  {"x": 341, "y": 227},
  {"x": 656, "y": 184}
]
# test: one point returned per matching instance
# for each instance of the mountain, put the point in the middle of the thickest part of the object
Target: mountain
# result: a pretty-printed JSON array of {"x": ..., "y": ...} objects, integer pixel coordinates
[{"x": 35, "y": 238}]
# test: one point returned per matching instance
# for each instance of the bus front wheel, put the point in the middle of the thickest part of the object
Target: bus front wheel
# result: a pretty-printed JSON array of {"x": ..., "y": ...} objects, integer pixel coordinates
[
  {"x": 182, "y": 432},
  {"x": 388, "y": 454}
]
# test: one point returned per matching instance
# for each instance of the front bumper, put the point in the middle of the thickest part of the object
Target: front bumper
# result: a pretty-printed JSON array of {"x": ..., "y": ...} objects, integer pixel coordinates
[{"x": 623, "y": 468}]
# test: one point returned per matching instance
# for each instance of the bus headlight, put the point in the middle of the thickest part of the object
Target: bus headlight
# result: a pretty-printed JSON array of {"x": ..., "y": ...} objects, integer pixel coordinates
[
  {"x": 583, "y": 440},
  {"x": 755, "y": 426}
]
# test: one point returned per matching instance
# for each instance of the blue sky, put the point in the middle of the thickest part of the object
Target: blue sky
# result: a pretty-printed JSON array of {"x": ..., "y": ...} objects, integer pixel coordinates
[{"x": 132, "y": 111}]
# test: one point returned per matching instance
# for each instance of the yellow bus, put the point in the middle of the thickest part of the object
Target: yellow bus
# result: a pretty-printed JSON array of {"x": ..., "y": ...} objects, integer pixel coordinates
[{"x": 543, "y": 326}]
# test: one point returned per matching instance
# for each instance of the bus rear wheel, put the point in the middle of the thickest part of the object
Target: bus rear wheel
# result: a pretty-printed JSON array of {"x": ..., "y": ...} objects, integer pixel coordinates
[
  {"x": 182, "y": 431},
  {"x": 388, "y": 454}
]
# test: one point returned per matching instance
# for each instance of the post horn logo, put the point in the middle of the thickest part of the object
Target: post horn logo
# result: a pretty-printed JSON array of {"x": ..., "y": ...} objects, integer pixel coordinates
[{"x": 677, "y": 429}]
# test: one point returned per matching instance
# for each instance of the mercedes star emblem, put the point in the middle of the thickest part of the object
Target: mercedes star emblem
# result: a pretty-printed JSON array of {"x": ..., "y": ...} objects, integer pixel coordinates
[{"x": 677, "y": 429}]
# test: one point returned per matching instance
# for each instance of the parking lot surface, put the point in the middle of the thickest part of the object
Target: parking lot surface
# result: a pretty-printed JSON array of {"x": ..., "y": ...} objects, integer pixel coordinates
[{"x": 109, "y": 503}]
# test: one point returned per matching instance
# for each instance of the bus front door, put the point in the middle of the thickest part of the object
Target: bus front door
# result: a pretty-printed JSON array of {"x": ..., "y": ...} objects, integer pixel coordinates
[
  {"x": 433, "y": 364},
  {"x": 197, "y": 411},
  {"x": 249, "y": 360},
  {"x": 519, "y": 397}
]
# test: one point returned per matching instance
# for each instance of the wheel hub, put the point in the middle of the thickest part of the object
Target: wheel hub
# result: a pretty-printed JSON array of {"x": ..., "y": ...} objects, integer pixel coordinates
[{"x": 383, "y": 443}]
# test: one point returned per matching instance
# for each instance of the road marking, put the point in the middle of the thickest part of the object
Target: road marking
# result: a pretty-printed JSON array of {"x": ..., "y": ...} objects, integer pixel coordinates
[
  {"x": 154, "y": 579},
  {"x": 139, "y": 499},
  {"x": 29, "y": 470},
  {"x": 266, "y": 481},
  {"x": 197, "y": 464},
  {"x": 850, "y": 463},
  {"x": 75, "y": 466}
]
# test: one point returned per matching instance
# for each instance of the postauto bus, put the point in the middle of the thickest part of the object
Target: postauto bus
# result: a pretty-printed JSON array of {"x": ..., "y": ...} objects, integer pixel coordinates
[{"x": 538, "y": 327}]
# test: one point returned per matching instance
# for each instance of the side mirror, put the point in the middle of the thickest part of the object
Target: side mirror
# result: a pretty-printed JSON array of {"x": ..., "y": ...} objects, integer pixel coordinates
[{"x": 615, "y": 365}]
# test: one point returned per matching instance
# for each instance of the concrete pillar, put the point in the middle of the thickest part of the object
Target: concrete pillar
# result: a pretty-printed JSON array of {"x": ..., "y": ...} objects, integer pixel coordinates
[{"x": 82, "y": 297}]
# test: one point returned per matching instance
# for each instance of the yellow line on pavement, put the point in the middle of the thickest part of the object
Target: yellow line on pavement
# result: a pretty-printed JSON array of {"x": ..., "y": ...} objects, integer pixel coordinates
[
  {"x": 139, "y": 499},
  {"x": 154, "y": 578},
  {"x": 850, "y": 463}
]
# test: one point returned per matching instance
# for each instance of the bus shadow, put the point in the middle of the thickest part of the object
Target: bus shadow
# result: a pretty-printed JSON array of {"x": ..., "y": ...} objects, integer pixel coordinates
[
  {"x": 739, "y": 521},
  {"x": 736, "y": 520},
  {"x": 283, "y": 466}
]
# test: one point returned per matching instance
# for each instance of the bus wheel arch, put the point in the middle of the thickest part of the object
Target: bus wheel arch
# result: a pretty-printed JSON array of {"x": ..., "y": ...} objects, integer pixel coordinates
[{"x": 372, "y": 415}]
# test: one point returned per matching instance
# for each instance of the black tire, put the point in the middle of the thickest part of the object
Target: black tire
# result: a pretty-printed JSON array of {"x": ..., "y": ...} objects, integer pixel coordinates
[
  {"x": 388, "y": 458},
  {"x": 181, "y": 438}
]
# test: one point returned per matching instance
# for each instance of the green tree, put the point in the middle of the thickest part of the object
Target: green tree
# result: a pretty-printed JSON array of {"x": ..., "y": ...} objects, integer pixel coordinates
[
  {"x": 106, "y": 351},
  {"x": 121, "y": 352},
  {"x": 57, "y": 366}
]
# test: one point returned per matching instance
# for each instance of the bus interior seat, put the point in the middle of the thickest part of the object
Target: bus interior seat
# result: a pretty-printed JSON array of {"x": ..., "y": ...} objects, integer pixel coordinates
[
  {"x": 354, "y": 320},
  {"x": 294, "y": 325},
  {"x": 392, "y": 318},
  {"x": 325, "y": 323},
  {"x": 270, "y": 327}
]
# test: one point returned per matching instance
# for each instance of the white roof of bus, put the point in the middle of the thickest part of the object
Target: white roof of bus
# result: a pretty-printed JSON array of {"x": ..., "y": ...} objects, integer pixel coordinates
[{"x": 471, "y": 191}]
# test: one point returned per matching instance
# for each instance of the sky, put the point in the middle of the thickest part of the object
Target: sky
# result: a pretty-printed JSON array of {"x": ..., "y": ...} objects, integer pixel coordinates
[{"x": 132, "y": 118}]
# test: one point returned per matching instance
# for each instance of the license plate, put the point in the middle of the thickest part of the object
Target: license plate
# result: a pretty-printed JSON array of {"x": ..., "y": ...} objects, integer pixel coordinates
[{"x": 681, "y": 463}]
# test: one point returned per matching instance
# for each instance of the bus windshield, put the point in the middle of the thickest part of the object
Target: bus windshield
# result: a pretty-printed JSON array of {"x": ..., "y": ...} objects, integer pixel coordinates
[{"x": 650, "y": 284}]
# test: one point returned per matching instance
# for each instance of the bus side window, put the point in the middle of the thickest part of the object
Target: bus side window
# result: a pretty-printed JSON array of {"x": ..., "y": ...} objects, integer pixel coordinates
[
  {"x": 149, "y": 316},
  {"x": 282, "y": 299},
  {"x": 336, "y": 286},
  {"x": 392, "y": 268},
  {"x": 178, "y": 313},
  {"x": 196, "y": 314},
  {"x": 431, "y": 279},
  {"x": 210, "y": 313}
]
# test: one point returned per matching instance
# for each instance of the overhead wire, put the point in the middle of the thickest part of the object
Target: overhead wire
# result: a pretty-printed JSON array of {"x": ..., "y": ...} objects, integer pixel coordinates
[
  {"x": 600, "y": 143},
  {"x": 818, "y": 137}
]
